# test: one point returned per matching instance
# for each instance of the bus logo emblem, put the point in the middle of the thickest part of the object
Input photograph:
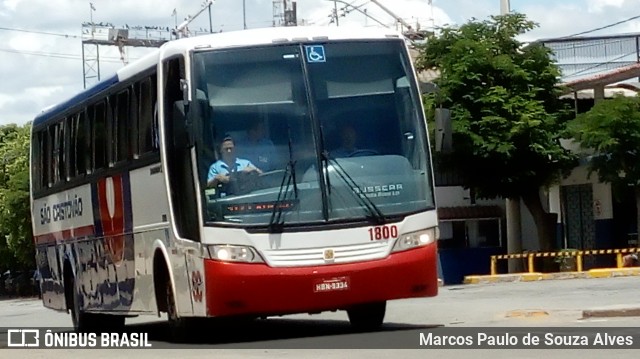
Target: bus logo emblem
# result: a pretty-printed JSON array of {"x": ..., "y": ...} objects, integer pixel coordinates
[
  {"x": 329, "y": 254},
  {"x": 315, "y": 53},
  {"x": 196, "y": 285}
]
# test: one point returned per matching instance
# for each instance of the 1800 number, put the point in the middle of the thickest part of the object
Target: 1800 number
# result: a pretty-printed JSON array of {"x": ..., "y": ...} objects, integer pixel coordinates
[{"x": 383, "y": 232}]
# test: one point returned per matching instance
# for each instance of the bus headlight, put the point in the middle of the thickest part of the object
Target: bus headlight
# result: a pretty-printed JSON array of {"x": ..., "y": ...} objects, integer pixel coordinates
[
  {"x": 415, "y": 239},
  {"x": 229, "y": 253}
]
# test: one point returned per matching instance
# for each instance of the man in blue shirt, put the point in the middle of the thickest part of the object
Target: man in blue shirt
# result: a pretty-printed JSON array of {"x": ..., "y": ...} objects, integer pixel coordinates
[{"x": 220, "y": 171}]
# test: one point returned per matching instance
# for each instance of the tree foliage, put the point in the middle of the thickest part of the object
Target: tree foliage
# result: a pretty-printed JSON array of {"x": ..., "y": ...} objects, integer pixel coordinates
[
  {"x": 611, "y": 129},
  {"x": 506, "y": 114},
  {"x": 16, "y": 239}
]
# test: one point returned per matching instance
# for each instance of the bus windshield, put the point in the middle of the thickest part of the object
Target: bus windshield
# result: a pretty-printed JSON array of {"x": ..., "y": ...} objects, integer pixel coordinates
[{"x": 301, "y": 134}]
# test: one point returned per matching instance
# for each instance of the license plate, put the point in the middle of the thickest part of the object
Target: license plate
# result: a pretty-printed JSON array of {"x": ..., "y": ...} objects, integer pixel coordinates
[{"x": 331, "y": 284}]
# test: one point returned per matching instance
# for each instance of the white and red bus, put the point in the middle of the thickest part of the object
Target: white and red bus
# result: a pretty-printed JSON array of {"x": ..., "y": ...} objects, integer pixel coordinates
[{"x": 126, "y": 221}]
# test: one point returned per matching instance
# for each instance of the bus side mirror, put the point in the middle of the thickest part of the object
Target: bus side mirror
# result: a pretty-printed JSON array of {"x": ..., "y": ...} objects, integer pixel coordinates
[{"x": 182, "y": 121}]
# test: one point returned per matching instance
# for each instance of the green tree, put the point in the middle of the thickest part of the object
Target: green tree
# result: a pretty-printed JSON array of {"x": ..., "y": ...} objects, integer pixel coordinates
[
  {"x": 611, "y": 129},
  {"x": 506, "y": 114},
  {"x": 15, "y": 213}
]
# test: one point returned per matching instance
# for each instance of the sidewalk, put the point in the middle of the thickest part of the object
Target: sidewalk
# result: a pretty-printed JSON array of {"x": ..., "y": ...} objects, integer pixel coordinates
[{"x": 532, "y": 277}]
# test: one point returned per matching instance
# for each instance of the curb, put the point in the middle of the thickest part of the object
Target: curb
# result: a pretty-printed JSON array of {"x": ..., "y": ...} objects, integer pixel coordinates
[
  {"x": 611, "y": 312},
  {"x": 533, "y": 277}
]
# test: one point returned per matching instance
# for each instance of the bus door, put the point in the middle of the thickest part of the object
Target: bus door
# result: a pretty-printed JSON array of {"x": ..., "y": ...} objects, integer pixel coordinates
[{"x": 182, "y": 180}]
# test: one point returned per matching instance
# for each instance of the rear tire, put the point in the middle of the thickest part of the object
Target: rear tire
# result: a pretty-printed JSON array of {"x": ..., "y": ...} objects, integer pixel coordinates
[
  {"x": 84, "y": 322},
  {"x": 368, "y": 316}
]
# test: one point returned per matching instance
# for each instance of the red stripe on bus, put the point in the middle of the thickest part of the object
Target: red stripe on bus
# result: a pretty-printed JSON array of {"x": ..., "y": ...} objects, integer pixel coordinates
[{"x": 64, "y": 235}]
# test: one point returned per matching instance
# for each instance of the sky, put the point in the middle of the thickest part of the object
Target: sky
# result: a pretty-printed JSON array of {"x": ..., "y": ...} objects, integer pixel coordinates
[{"x": 41, "y": 52}]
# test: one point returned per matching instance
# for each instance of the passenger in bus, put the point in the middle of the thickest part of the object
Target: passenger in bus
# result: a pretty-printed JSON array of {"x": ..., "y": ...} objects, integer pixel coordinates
[
  {"x": 348, "y": 138},
  {"x": 257, "y": 148},
  {"x": 221, "y": 171}
]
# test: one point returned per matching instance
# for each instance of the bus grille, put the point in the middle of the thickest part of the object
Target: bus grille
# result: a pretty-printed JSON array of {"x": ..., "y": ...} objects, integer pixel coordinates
[{"x": 316, "y": 256}]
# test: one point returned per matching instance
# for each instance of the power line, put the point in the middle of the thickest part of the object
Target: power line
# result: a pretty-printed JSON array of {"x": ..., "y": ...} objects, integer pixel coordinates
[
  {"x": 40, "y": 32},
  {"x": 54, "y": 55},
  {"x": 603, "y": 27}
]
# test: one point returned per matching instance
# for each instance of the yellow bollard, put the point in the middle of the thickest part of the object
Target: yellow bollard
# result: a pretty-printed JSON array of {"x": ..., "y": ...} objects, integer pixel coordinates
[
  {"x": 530, "y": 261},
  {"x": 579, "y": 262},
  {"x": 493, "y": 265},
  {"x": 619, "y": 260}
]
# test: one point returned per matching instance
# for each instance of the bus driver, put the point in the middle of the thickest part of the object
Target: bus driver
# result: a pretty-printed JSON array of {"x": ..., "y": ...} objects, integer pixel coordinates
[{"x": 220, "y": 171}]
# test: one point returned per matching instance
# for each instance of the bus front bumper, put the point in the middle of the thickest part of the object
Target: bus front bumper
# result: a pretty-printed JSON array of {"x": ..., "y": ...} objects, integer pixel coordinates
[{"x": 260, "y": 290}]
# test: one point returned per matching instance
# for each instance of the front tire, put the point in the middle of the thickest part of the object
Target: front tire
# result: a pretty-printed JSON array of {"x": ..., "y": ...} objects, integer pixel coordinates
[
  {"x": 179, "y": 327},
  {"x": 368, "y": 316}
]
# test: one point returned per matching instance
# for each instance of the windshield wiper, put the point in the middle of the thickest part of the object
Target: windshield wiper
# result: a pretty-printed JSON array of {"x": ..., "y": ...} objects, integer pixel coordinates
[
  {"x": 276, "y": 223},
  {"x": 366, "y": 202}
]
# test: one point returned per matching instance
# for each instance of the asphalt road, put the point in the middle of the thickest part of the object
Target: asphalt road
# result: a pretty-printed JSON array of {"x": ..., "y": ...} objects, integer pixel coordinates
[{"x": 545, "y": 305}]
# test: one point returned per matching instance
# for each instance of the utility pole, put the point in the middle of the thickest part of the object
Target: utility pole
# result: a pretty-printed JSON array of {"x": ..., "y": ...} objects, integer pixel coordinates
[
  {"x": 207, "y": 4},
  {"x": 335, "y": 11},
  {"x": 513, "y": 213},
  {"x": 210, "y": 21},
  {"x": 505, "y": 7},
  {"x": 244, "y": 13},
  {"x": 175, "y": 17},
  {"x": 182, "y": 30}
]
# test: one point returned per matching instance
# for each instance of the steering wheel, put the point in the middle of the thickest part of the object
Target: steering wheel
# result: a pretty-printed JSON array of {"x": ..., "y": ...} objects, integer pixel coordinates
[
  {"x": 242, "y": 182},
  {"x": 364, "y": 152}
]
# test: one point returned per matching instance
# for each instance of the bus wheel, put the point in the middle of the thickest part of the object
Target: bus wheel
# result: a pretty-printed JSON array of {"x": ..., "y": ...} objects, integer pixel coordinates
[
  {"x": 367, "y": 316},
  {"x": 179, "y": 328},
  {"x": 92, "y": 322},
  {"x": 81, "y": 321}
]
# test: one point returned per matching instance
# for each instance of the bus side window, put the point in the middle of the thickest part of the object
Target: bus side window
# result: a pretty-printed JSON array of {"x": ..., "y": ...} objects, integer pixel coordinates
[
  {"x": 69, "y": 148},
  {"x": 133, "y": 122},
  {"x": 49, "y": 159},
  {"x": 100, "y": 136},
  {"x": 111, "y": 138},
  {"x": 121, "y": 130},
  {"x": 56, "y": 156},
  {"x": 83, "y": 144},
  {"x": 146, "y": 115},
  {"x": 43, "y": 156}
]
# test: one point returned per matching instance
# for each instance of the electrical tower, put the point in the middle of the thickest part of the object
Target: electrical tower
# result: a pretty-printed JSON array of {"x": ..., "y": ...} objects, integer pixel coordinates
[
  {"x": 94, "y": 35},
  {"x": 285, "y": 13}
]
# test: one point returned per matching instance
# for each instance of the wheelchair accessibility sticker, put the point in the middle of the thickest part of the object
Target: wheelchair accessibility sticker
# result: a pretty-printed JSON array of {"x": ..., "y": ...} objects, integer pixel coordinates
[{"x": 315, "y": 53}]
